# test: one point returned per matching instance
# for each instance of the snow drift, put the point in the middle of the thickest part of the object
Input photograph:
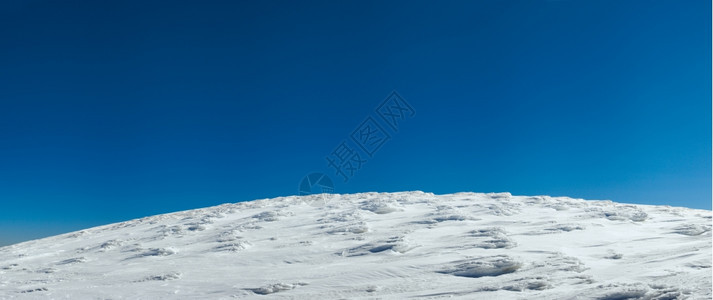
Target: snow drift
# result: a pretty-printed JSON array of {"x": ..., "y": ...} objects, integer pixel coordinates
[{"x": 378, "y": 245}]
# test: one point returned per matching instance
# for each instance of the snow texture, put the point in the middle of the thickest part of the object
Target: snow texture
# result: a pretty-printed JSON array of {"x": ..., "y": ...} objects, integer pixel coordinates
[{"x": 377, "y": 246}]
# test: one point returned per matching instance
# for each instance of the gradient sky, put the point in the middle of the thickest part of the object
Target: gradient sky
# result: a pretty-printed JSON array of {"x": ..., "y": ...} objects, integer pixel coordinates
[{"x": 114, "y": 110}]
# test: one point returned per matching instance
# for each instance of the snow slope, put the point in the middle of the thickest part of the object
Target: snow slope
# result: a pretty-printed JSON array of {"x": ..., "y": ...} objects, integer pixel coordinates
[{"x": 378, "y": 245}]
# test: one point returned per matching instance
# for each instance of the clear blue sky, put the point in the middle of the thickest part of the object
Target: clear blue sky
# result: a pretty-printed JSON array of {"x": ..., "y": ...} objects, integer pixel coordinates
[{"x": 116, "y": 110}]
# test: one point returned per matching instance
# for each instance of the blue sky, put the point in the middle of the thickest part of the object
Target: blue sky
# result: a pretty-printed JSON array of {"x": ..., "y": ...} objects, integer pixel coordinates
[{"x": 116, "y": 110}]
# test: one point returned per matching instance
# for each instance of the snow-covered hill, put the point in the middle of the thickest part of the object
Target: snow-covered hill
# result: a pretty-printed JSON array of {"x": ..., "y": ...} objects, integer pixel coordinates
[{"x": 378, "y": 245}]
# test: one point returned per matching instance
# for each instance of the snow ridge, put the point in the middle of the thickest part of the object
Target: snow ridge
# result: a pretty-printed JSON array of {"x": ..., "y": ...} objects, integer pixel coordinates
[{"x": 378, "y": 245}]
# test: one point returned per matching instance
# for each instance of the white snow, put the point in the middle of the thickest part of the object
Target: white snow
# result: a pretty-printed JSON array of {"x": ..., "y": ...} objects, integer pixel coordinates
[{"x": 378, "y": 246}]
